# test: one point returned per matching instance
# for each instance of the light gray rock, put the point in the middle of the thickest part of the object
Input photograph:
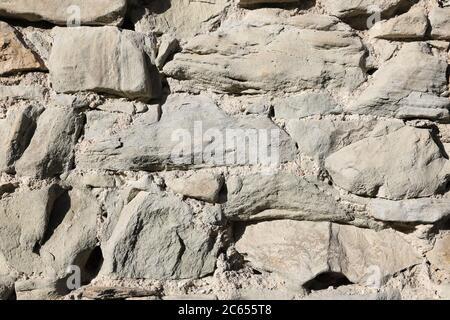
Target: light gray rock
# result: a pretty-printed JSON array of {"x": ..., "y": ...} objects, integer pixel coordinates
[
  {"x": 257, "y": 55},
  {"x": 281, "y": 195},
  {"x": 155, "y": 239},
  {"x": 15, "y": 134},
  {"x": 123, "y": 64},
  {"x": 304, "y": 105},
  {"x": 168, "y": 46},
  {"x": 21, "y": 92},
  {"x": 302, "y": 250},
  {"x": 319, "y": 138},
  {"x": 439, "y": 256},
  {"x": 75, "y": 237},
  {"x": 424, "y": 210},
  {"x": 367, "y": 168},
  {"x": 51, "y": 149},
  {"x": 24, "y": 218},
  {"x": 40, "y": 289},
  {"x": 412, "y": 25},
  {"x": 440, "y": 23},
  {"x": 362, "y": 8},
  {"x": 118, "y": 106},
  {"x": 97, "y": 12},
  {"x": 192, "y": 131},
  {"x": 183, "y": 19},
  {"x": 201, "y": 186},
  {"x": 407, "y": 90}
]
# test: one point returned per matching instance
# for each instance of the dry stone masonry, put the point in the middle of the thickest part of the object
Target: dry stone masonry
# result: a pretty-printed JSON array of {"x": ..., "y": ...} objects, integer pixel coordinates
[{"x": 224, "y": 149}]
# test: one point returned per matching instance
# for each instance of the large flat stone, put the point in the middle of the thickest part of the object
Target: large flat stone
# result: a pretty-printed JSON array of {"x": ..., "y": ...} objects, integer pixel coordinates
[
  {"x": 122, "y": 63},
  {"x": 154, "y": 238},
  {"x": 258, "y": 55},
  {"x": 302, "y": 250},
  {"x": 367, "y": 167},
  {"x": 407, "y": 90},
  {"x": 192, "y": 132}
]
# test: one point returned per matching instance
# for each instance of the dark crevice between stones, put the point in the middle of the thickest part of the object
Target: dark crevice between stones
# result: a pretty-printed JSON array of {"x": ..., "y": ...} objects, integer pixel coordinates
[
  {"x": 93, "y": 265},
  {"x": 25, "y": 24},
  {"x": 325, "y": 280},
  {"x": 301, "y": 5},
  {"x": 61, "y": 207}
]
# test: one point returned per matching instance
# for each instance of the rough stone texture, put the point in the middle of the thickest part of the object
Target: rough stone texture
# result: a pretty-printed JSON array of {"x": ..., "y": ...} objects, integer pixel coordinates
[
  {"x": 300, "y": 251},
  {"x": 97, "y": 12},
  {"x": 257, "y": 55},
  {"x": 412, "y": 210},
  {"x": 179, "y": 139},
  {"x": 407, "y": 90},
  {"x": 352, "y": 9},
  {"x": 120, "y": 66},
  {"x": 23, "y": 227},
  {"x": 224, "y": 149},
  {"x": 182, "y": 18},
  {"x": 15, "y": 56},
  {"x": 205, "y": 187},
  {"x": 420, "y": 168},
  {"x": 440, "y": 23},
  {"x": 73, "y": 240},
  {"x": 15, "y": 134},
  {"x": 440, "y": 255},
  {"x": 280, "y": 195},
  {"x": 165, "y": 246},
  {"x": 412, "y": 25},
  {"x": 51, "y": 149}
]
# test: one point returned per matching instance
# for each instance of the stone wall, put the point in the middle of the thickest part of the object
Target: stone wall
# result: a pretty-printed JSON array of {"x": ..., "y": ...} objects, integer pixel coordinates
[{"x": 229, "y": 149}]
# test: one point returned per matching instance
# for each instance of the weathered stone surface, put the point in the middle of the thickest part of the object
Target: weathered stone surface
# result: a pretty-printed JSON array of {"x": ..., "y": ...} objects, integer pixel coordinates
[
  {"x": 51, "y": 149},
  {"x": 440, "y": 255},
  {"x": 92, "y": 12},
  {"x": 24, "y": 218},
  {"x": 440, "y": 23},
  {"x": 364, "y": 8},
  {"x": 302, "y": 250},
  {"x": 181, "y": 18},
  {"x": 201, "y": 186},
  {"x": 412, "y": 210},
  {"x": 154, "y": 239},
  {"x": 257, "y": 55},
  {"x": 183, "y": 137},
  {"x": 304, "y": 105},
  {"x": 122, "y": 65},
  {"x": 407, "y": 90},
  {"x": 21, "y": 92},
  {"x": 318, "y": 139},
  {"x": 280, "y": 195},
  {"x": 15, "y": 134},
  {"x": 15, "y": 56},
  {"x": 168, "y": 46},
  {"x": 40, "y": 289},
  {"x": 366, "y": 168},
  {"x": 412, "y": 25},
  {"x": 75, "y": 237}
]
